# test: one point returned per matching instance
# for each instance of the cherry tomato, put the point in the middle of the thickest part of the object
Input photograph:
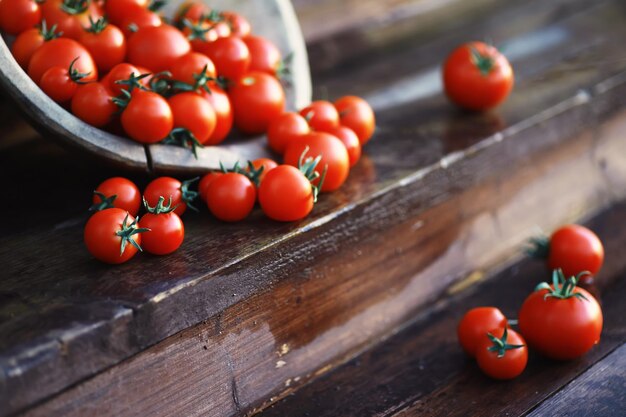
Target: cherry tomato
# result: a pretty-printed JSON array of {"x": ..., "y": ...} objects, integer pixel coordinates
[
  {"x": 112, "y": 236},
  {"x": 321, "y": 115},
  {"x": 16, "y": 16},
  {"x": 223, "y": 113},
  {"x": 116, "y": 10},
  {"x": 575, "y": 249},
  {"x": 257, "y": 100},
  {"x": 264, "y": 55},
  {"x": 70, "y": 16},
  {"x": 58, "y": 84},
  {"x": 231, "y": 197},
  {"x": 266, "y": 163},
  {"x": 147, "y": 118},
  {"x": 93, "y": 104},
  {"x": 285, "y": 194},
  {"x": 137, "y": 17},
  {"x": 238, "y": 24},
  {"x": 334, "y": 157},
  {"x": 189, "y": 66},
  {"x": 561, "y": 321},
  {"x": 156, "y": 48},
  {"x": 168, "y": 187},
  {"x": 60, "y": 53},
  {"x": 105, "y": 43},
  {"x": 230, "y": 56},
  {"x": 285, "y": 129},
  {"x": 192, "y": 11},
  {"x": 192, "y": 112},
  {"x": 117, "y": 192},
  {"x": 350, "y": 141},
  {"x": 124, "y": 72},
  {"x": 167, "y": 231},
  {"x": 203, "y": 31},
  {"x": 477, "y": 76},
  {"x": 475, "y": 324},
  {"x": 356, "y": 113},
  {"x": 504, "y": 355},
  {"x": 205, "y": 182},
  {"x": 29, "y": 41}
]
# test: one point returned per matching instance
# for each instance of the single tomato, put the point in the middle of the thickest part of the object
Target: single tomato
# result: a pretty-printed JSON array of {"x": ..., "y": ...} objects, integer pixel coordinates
[
  {"x": 60, "y": 84},
  {"x": 502, "y": 353},
  {"x": 147, "y": 117},
  {"x": 61, "y": 52},
  {"x": 157, "y": 48},
  {"x": 321, "y": 115},
  {"x": 230, "y": 56},
  {"x": 286, "y": 194},
  {"x": 16, "y": 16},
  {"x": 106, "y": 44},
  {"x": 117, "y": 192},
  {"x": 167, "y": 231},
  {"x": 194, "y": 114},
  {"x": 475, "y": 324},
  {"x": 93, "y": 104},
  {"x": 264, "y": 55},
  {"x": 112, "y": 236},
  {"x": 285, "y": 129},
  {"x": 257, "y": 99},
  {"x": 231, "y": 197},
  {"x": 356, "y": 114},
  {"x": 182, "y": 196}
]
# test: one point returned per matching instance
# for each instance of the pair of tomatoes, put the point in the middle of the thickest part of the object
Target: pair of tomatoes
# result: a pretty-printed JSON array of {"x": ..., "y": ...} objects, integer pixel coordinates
[{"x": 114, "y": 234}]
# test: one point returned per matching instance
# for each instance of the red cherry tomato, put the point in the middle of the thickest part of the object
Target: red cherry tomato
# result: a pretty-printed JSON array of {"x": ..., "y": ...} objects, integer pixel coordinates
[
  {"x": 105, "y": 43},
  {"x": 321, "y": 115},
  {"x": 205, "y": 182},
  {"x": 92, "y": 103},
  {"x": 123, "y": 72},
  {"x": 285, "y": 129},
  {"x": 194, "y": 113},
  {"x": 285, "y": 194},
  {"x": 504, "y": 356},
  {"x": 264, "y": 55},
  {"x": 60, "y": 53},
  {"x": 223, "y": 113},
  {"x": 561, "y": 324},
  {"x": 16, "y": 16},
  {"x": 70, "y": 16},
  {"x": 575, "y": 249},
  {"x": 192, "y": 11},
  {"x": 137, "y": 17},
  {"x": 356, "y": 113},
  {"x": 157, "y": 48},
  {"x": 168, "y": 187},
  {"x": 238, "y": 24},
  {"x": 334, "y": 156},
  {"x": 58, "y": 84},
  {"x": 112, "y": 236},
  {"x": 116, "y": 10},
  {"x": 257, "y": 100},
  {"x": 231, "y": 197},
  {"x": 477, "y": 76},
  {"x": 147, "y": 118},
  {"x": 350, "y": 141},
  {"x": 475, "y": 324},
  {"x": 230, "y": 56},
  {"x": 192, "y": 64},
  {"x": 28, "y": 41},
  {"x": 167, "y": 231},
  {"x": 117, "y": 192},
  {"x": 266, "y": 163}
]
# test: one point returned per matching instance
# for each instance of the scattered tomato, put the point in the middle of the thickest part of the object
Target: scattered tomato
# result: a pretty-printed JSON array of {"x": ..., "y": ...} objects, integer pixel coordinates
[
  {"x": 502, "y": 353},
  {"x": 257, "y": 100},
  {"x": 182, "y": 196},
  {"x": 575, "y": 249},
  {"x": 350, "y": 141},
  {"x": 475, "y": 324},
  {"x": 167, "y": 231},
  {"x": 112, "y": 236},
  {"x": 285, "y": 129},
  {"x": 356, "y": 113},
  {"x": 321, "y": 115},
  {"x": 117, "y": 192},
  {"x": 231, "y": 197}
]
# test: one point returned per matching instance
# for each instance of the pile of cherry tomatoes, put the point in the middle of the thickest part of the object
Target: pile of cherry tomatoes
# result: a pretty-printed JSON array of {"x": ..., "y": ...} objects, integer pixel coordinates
[{"x": 559, "y": 320}]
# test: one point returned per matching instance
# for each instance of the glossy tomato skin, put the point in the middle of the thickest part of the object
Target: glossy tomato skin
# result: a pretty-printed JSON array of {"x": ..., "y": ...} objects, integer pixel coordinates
[
  {"x": 193, "y": 63},
  {"x": 231, "y": 197},
  {"x": 561, "y": 328},
  {"x": 321, "y": 115},
  {"x": 116, "y": 10},
  {"x": 356, "y": 114},
  {"x": 286, "y": 128},
  {"x": 575, "y": 249},
  {"x": 230, "y": 56},
  {"x": 107, "y": 48},
  {"x": 266, "y": 163},
  {"x": 148, "y": 117},
  {"x": 121, "y": 72},
  {"x": 71, "y": 24},
  {"x": 58, "y": 85},
  {"x": 16, "y": 16},
  {"x": 472, "y": 88},
  {"x": 239, "y": 25},
  {"x": 25, "y": 45},
  {"x": 137, "y": 17},
  {"x": 205, "y": 182},
  {"x": 194, "y": 113},
  {"x": 285, "y": 194},
  {"x": 128, "y": 197},
  {"x": 101, "y": 239},
  {"x": 334, "y": 156},
  {"x": 257, "y": 100},
  {"x": 509, "y": 366},
  {"x": 166, "y": 234},
  {"x": 166, "y": 187},
  {"x": 264, "y": 55},
  {"x": 475, "y": 324},
  {"x": 92, "y": 103},
  {"x": 224, "y": 116},
  {"x": 157, "y": 48},
  {"x": 60, "y": 53},
  {"x": 350, "y": 141}
]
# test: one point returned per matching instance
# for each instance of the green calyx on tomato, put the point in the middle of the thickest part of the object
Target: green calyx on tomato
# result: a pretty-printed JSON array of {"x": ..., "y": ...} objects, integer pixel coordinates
[
  {"x": 202, "y": 80},
  {"x": 48, "y": 34},
  {"x": 181, "y": 136},
  {"x": 283, "y": 71},
  {"x": 75, "y": 6},
  {"x": 105, "y": 202},
  {"x": 307, "y": 167},
  {"x": 97, "y": 26},
  {"x": 156, "y": 5},
  {"x": 76, "y": 75},
  {"x": 562, "y": 288},
  {"x": 500, "y": 345},
  {"x": 160, "y": 207},
  {"x": 251, "y": 172},
  {"x": 127, "y": 231},
  {"x": 484, "y": 63},
  {"x": 131, "y": 83},
  {"x": 187, "y": 195}
]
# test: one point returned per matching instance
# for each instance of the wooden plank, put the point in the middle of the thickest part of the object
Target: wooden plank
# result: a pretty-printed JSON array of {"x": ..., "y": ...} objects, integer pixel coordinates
[{"x": 423, "y": 371}]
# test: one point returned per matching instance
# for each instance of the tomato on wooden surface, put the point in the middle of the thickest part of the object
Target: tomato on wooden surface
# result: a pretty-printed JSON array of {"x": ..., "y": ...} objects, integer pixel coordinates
[
  {"x": 321, "y": 115},
  {"x": 230, "y": 56},
  {"x": 205, "y": 182},
  {"x": 93, "y": 104},
  {"x": 231, "y": 197},
  {"x": 28, "y": 41},
  {"x": 157, "y": 48},
  {"x": 16, "y": 16},
  {"x": 561, "y": 321},
  {"x": 334, "y": 157},
  {"x": 350, "y": 141},
  {"x": 475, "y": 324},
  {"x": 193, "y": 113},
  {"x": 167, "y": 230},
  {"x": 106, "y": 44},
  {"x": 61, "y": 52},
  {"x": 286, "y": 194},
  {"x": 285, "y": 129},
  {"x": 356, "y": 114},
  {"x": 182, "y": 196},
  {"x": 70, "y": 16},
  {"x": 224, "y": 116},
  {"x": 112, "y": 236},
  {"x": 147, "y": 117},
  {"x": 501, "y": 353},
  {"x": 477, "y": 76},
  {"x": 264, "y": 55},
  {"x": 257, "y": 99},
  {"x": 117, "y": 192}
]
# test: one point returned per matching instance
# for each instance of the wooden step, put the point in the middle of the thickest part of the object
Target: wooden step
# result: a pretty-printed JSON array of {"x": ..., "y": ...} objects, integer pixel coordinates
[{"x": 242, "y": 310}]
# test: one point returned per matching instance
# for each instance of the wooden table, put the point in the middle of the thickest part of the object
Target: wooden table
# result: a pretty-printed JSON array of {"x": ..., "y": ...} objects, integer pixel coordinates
[{"x": 375, "y": 279}]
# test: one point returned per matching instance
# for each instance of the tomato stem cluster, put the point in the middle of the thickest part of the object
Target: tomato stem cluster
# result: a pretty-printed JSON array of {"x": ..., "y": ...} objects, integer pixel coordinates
[
  {"x": 160, "y": 207},
  {"x": 74, "y": 7},
  {"x": 48, "y": 34},
  {"x": 501, "y": 345},
  {"x": 97, "y": 26},
  {"x": 484, "y": 63},
  {"x": 307, "y": 167},
  {"x": 127, "y": 231},
  {"x": 183, "y": 137},
  {"x": 539, "y": 247},
  {"x": 188, "y": 195},
  {"x": 105, "y": 202},
  {"x": 562, "y": 288}
]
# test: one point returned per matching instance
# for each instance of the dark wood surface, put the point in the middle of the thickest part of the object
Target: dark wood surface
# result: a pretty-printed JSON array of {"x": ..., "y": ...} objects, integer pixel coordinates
[{"x": 214, "y": 322}]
